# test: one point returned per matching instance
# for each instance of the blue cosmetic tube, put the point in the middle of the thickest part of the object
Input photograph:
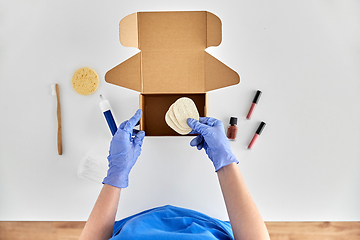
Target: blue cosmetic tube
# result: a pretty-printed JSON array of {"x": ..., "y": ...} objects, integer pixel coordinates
[{"x": 106, "y": 109}]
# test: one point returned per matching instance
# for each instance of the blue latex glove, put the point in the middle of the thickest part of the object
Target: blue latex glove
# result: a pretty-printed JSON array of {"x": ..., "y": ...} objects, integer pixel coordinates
[
  {"x": 213, "y": 139},
  {"x": 125, "y": 148}
]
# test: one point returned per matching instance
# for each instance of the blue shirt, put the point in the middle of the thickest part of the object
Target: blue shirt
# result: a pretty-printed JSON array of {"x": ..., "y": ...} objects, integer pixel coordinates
[{"x": 169, "y": 222}]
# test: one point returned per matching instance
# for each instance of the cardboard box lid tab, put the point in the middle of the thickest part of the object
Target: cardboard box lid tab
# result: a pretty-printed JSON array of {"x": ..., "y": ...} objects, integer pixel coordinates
[{"x": 172, "y": 57}]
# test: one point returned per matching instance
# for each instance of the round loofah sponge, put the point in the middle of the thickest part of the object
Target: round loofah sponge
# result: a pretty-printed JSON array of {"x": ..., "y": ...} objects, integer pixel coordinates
[{"x": 85, "y": 81}]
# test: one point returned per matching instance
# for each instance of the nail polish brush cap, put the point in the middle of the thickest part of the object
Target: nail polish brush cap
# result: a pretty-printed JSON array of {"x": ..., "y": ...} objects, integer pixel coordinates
[{"x": 233, "y": 121}]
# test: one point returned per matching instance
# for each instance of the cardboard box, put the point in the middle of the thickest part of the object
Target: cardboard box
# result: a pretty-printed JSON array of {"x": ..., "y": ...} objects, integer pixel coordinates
[{"x": 172, "y": 63}]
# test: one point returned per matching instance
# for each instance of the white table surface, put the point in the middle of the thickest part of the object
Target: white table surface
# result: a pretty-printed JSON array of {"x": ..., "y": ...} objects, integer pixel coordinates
[{"x": 303, "y": 55}]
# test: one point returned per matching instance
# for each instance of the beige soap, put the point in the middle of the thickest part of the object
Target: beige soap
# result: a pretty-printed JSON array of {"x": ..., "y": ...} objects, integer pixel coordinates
[{"x": 178, "y": 113}]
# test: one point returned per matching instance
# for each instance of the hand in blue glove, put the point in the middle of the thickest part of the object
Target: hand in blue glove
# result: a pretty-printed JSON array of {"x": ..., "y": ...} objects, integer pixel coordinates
[
  {"x": 125, "y": 148},
  {"x": 213, "y": 139}
]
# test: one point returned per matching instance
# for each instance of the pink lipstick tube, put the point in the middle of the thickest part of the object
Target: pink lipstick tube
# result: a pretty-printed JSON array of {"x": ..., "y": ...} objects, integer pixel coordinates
[
  {"x": 257, "y": 134},
  {"x": 254, "y": 102}
]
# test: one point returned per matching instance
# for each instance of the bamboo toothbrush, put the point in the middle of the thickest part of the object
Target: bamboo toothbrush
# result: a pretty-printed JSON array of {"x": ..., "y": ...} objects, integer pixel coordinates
[{"x": 55, "y": 92}]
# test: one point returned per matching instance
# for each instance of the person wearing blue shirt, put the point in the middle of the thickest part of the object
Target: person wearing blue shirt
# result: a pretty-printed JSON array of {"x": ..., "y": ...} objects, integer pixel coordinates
[{"x": 169, "y": 222}]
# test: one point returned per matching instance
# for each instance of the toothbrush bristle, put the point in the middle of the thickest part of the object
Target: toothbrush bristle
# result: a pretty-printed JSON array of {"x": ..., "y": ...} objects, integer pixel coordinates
[{"x": 53, "y": 91}]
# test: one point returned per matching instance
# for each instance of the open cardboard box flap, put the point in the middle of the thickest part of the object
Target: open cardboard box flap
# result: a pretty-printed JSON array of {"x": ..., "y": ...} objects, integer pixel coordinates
[{"x": 172, "y": 57}]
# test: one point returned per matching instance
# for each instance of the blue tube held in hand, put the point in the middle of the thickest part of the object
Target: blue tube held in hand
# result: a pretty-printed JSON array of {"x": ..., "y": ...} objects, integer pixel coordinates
[
  {"x": 111, "y": 122},
  {"x": 125, "y": 148},
  {"x": 106, "y": 109}
]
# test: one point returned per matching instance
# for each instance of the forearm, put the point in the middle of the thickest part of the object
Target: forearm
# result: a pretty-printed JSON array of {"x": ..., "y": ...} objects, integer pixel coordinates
[
  {"x": 245, "y": 218},
  {"x": 102, "y": 218}
]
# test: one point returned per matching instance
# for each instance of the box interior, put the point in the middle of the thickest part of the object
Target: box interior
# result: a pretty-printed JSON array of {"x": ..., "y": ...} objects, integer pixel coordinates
[{"x": 155, "y": 106}]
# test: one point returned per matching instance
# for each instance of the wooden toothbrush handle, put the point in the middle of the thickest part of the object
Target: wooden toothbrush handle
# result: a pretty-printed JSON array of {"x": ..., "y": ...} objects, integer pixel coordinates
[{"x": 58, "y": 112}]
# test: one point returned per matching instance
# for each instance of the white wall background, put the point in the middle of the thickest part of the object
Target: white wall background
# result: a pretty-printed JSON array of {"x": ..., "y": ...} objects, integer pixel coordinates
[{"x": 303, "y": 55}]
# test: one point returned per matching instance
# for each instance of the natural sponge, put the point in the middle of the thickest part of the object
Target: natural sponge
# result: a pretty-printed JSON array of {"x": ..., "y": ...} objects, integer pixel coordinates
[{"x": 85, "y": 81}]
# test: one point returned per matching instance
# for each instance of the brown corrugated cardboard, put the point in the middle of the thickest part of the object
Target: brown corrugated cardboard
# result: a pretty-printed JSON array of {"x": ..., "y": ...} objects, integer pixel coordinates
[{"x": 172, "y": 63}]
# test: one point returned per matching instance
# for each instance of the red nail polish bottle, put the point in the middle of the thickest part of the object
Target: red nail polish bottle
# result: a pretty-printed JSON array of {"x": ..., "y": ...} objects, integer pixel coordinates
[{"x": 232, "y": 130}]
